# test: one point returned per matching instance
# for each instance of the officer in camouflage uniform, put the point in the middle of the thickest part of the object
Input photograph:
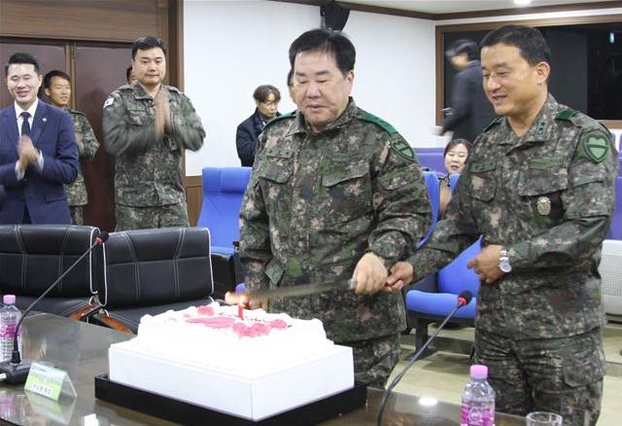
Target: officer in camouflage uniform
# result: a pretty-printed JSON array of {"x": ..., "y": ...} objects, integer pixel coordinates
[
  {"x": 146, "y": 126},
  {"x": 336, "y": 193},
  {"x": 539, "y": 186},
  {"x": 57, "y": 85}
]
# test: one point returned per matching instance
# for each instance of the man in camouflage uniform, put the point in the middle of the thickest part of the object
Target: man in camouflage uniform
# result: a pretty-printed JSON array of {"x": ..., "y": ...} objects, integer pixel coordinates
[
  {"x": 336, "y": 193},
  {"x": 57, "y": 85},
  {"x": 147, "y": 125},
  {"x": 539, "y": 186}
]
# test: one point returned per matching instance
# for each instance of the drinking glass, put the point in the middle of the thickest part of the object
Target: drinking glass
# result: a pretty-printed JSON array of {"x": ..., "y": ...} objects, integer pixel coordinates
[{"x": 541, "y": 418}]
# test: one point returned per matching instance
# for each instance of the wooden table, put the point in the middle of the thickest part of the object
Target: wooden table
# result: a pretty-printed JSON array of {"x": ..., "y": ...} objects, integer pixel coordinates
[{"x": 82, "y": 350}]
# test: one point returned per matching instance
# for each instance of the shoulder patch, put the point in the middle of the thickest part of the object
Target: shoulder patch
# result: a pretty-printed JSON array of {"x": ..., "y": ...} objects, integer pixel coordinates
[
  {"x": 594, "y": 145},
  {"x": 371, "y": 118},
  {"x": 493, "y": 123},
  {"x": 403, "y": 149},
  {"x": 109, "y": 101},
  {"x": 566, "y": 114},
  {"x": 281, "y": 117}
]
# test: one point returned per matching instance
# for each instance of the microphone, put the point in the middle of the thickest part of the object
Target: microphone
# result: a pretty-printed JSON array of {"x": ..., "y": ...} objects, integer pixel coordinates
[
  {"x": 463, "y": 299},
  {"x": 16, "y": 371}
]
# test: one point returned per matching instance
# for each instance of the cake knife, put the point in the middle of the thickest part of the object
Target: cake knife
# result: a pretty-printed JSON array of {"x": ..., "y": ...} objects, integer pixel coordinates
[{"x": 300, "y": 290}]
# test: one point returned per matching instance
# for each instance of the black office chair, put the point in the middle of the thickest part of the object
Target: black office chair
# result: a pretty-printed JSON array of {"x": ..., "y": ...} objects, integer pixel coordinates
[
  {"x": 32, "y": 257},
  {"x": 150, "y": 271}
]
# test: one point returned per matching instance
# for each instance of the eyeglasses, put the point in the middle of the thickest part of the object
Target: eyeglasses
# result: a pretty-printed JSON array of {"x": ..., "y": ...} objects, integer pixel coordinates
[{"x": 271, "y": 103}]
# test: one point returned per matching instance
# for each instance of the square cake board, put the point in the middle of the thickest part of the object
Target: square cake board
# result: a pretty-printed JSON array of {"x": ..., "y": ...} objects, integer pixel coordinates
[{"x": 189, "y": 414}]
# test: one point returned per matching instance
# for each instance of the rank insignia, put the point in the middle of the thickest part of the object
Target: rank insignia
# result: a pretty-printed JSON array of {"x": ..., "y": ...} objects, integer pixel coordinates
[{"x": 543, "y": 206}]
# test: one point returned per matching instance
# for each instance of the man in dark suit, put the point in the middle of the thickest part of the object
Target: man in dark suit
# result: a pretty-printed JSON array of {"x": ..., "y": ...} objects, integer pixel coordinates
[
  {"x": 38, "y": 150},
  {"x": 470, "y": 110},
  {"x": 267, "y": 99}
]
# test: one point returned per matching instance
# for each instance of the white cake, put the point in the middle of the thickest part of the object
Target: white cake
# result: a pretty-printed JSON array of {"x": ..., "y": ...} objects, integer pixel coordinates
[{"x": 244, "y": 362}]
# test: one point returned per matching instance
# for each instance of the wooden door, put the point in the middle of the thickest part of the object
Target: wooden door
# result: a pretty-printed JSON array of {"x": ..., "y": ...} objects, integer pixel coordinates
[{"x": 99, "y": 70}]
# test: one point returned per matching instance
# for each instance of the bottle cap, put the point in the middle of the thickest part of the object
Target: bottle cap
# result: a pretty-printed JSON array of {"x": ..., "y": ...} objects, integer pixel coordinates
[
  {"x": 479, "y": 371},
  {"x": 8, "y": 299}
]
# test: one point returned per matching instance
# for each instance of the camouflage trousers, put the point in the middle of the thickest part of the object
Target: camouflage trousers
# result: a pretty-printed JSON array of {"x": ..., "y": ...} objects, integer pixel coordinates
[
  {"x": 131, "y": 217},
  {"x": 374, "y": 359},
  {"x": 77, "y": 215},
  {"x": 560, "y": 375}
]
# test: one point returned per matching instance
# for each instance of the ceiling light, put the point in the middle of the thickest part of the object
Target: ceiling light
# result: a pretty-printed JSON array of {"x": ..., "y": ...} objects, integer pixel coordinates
[{"x": 522, "y": 2}]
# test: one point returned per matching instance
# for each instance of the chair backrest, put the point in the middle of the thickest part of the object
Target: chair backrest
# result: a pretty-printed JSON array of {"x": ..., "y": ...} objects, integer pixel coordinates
[
  {"x": 615, "y": 230},
  {"x": 151, "y": 267},
  {"x": 456, "y": 277},
  {"x": 433, "y": 185},
  {"x": 32, "y": 257},
  {"x": 223, "y": 191},
  {"x": 431, "y": 158},
  {"x": 453, "y": 181}
]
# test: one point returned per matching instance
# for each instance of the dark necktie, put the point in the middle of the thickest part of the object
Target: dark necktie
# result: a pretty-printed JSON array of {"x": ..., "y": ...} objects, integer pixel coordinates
[{"x": 25, "y": 124}]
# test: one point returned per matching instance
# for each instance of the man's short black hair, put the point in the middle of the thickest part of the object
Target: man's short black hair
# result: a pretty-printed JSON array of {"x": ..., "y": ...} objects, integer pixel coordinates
[
  {"x": 334, "y": 43},
  {"x": 128, "y": 72},
  {"x": 47, "y": 80},
  {"x": 146, "y": 43},
  {"x": 529, "y": 41},
  {"x": 464, "y": 46},
  {"x": 22, "y": 58}
]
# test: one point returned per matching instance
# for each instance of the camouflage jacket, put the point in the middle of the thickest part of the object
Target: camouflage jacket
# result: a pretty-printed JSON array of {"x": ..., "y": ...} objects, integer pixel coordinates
[
  {"x": 317, "y": 202},
  {"x": 148, "y": 172},
  {"x": 547, "y": 197},
  {"x": 87, "y": 148}
]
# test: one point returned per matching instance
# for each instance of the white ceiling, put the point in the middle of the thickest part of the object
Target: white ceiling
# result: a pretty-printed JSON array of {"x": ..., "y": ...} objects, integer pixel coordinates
[{"x": 456, "y": 6}]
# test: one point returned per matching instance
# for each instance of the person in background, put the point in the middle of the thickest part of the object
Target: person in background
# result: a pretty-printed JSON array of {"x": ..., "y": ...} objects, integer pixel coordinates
[
  {"x": 57, "y": 86},
  {"x": 267, "y": 100},
  {"x": 39, "y": 154},
  {"x": 455, "y": 155},
  {"x": 130, "y": 76},
  {"x": 146, "y": 127},
  {"x": 290, "y": 85},
  {"x": 470, "y": 111},
  {"x": 336, "y": 193},
  {"x": 539, "y": 187}
]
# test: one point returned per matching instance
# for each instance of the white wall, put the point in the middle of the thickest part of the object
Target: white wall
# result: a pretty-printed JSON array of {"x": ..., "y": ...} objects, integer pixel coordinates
[{"x": 231, "y": 47}]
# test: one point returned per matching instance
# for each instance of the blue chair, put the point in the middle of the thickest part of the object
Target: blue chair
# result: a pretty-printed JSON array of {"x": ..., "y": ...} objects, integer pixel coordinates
[
  {"x": 223, "y": 191},
  {"x": 431, "y": 158},
  {"x": 433, "y": 185},
  {"x": 615, "y": 231},
  {"x": 425, "y": 306},
  {"x": 453, "y": 181}
]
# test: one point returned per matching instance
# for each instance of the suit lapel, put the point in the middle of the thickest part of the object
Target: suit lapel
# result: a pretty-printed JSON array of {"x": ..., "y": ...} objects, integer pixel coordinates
[
  {"x": 9, "y": 124},
  {"x": 39, "y": 122}
]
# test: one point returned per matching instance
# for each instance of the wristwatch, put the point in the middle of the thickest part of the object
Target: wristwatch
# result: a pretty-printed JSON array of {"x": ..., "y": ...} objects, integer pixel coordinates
[{"x": 504, "y": 261}]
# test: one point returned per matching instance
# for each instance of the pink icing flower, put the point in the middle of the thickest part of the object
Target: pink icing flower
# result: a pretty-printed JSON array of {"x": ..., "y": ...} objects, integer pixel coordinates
[
  {"x": 278, "y": 324},
  {"x": 205, "y": 310},
  {"x": 254, "y": 330}
]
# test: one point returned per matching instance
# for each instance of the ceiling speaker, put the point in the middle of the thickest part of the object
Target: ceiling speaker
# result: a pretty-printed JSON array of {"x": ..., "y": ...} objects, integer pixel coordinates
[{"x": 334, "y": 15}]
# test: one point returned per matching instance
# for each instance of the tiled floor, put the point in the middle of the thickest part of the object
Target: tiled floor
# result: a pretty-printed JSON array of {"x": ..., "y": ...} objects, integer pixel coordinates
[{"x": 444, "y": 374}]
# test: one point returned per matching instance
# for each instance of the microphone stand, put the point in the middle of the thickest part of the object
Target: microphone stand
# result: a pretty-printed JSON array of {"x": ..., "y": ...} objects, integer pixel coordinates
[
  {"x": 463, "y": 299},
  {"x": 16, "y": 370}
]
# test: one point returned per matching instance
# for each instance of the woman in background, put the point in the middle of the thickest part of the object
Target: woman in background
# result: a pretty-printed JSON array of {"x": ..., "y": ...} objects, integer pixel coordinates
[{"x": 455, "y": 155}]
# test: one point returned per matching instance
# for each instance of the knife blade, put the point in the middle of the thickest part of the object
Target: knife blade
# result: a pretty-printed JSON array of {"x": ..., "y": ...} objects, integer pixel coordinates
[{"x": 300, "y": 290}]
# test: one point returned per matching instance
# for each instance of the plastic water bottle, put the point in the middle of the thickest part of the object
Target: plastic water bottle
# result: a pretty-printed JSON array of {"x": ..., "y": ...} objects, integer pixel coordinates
[
  {"x": 478, "y": 399},
  {"x": 9, "y": 317}
]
